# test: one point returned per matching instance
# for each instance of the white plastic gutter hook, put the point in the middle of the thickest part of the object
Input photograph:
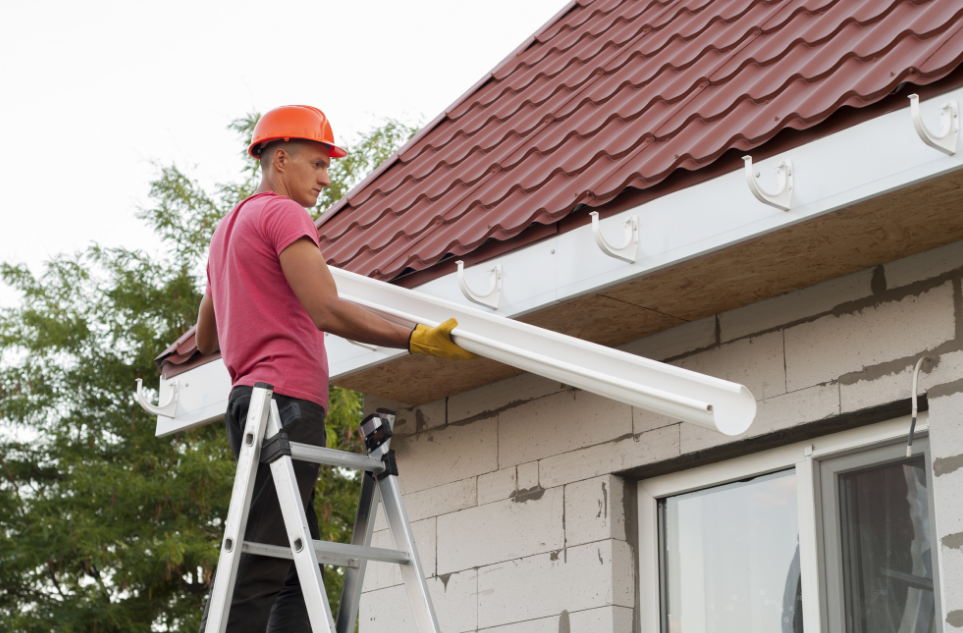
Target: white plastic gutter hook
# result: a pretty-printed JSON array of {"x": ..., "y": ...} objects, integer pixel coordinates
[
  {"x": 628, "y": 251},
  {"x": 949, "y": 126},
  {"x": 167, "y": 410},
  {"x": 782, "y": 199},
  {"x": 491, "y": 298}
]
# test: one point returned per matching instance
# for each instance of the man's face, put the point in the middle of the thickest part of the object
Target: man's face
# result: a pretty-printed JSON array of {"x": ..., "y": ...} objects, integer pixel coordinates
[{"x": 307, "y": 174}]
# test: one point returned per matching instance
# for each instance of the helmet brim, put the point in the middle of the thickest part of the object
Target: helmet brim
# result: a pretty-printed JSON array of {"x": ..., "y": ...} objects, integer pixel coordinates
[{"x": 333, "y": 150}]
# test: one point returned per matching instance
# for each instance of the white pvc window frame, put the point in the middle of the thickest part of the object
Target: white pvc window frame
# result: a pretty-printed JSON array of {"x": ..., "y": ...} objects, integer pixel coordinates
[
  {"x": 831, "y": 469},
  {"x": 805, "y": 457}
]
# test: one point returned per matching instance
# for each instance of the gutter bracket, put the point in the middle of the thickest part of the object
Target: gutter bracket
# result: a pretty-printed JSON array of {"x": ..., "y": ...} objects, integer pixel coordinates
[
  {"x": 628, "y": 251},
  {"x": 949, "y": 126},
  {"x": 782, "y": 199},
  {"x": 491, "y": 298},
  {"x": 167, "y": 409}
]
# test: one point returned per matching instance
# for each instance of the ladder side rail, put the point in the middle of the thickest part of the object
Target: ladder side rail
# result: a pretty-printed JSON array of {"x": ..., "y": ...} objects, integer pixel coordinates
[
  {"x": 237, "y": 514},
  {"x": 361, "y": 536},
  {"x": 412, "y": 573},
  {"x": 299, "y": 535}
]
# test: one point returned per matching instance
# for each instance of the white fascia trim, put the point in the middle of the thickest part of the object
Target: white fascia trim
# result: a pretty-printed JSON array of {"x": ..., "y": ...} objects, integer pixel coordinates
[
  {"x": 830, "y": 173},
  {"x": 202, "y": 397}
]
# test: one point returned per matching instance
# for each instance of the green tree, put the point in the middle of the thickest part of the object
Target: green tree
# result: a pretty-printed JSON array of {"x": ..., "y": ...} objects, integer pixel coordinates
[{"x": 104, "y": 527}]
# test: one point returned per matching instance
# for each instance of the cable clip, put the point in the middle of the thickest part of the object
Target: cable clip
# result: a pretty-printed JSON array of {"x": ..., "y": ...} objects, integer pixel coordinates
[{"x": 916, "y": 378}]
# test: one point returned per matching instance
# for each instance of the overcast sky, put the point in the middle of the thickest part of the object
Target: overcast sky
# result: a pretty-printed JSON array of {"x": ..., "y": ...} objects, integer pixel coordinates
[{"x": 96, "y": 94}]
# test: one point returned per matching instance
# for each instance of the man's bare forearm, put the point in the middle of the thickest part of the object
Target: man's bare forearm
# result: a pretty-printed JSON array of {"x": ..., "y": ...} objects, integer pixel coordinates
[
  {"x": 205, "y": 336},
  {"x": 349, "y": 321},
  {"x": 311, "y": 281}
]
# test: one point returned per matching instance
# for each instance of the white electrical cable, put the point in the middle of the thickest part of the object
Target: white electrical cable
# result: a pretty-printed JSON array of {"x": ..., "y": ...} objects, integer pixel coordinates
[{"x": 916, "y": 378}]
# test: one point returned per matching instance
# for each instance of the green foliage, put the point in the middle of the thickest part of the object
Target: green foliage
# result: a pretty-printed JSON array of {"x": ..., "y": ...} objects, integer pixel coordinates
[{"x": 104, "y": 527}]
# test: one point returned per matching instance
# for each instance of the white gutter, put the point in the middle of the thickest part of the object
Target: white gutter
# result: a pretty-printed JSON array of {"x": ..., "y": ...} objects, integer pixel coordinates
[{"x": 685, "y": 395}]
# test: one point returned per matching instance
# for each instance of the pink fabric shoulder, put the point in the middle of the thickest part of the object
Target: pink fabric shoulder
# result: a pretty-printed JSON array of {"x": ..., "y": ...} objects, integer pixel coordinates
[{"x": 265, "y": 333}]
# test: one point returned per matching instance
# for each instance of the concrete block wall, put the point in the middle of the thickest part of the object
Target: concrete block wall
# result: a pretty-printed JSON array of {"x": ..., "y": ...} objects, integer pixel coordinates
[{"x": 522, "y": 519}]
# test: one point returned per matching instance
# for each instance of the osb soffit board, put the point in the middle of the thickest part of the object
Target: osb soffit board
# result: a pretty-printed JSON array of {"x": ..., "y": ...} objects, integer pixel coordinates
[{"x": 872, "y": 232}]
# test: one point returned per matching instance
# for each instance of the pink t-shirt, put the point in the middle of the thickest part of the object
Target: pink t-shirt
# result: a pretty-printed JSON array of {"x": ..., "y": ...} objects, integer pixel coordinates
[{"x": 265, "y": 333}]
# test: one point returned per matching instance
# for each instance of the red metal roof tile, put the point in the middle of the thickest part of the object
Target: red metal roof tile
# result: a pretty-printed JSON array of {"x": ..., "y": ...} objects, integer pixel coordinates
[
  {"x": 616, "y": 94},
  {"x": 182, "y": 355}
]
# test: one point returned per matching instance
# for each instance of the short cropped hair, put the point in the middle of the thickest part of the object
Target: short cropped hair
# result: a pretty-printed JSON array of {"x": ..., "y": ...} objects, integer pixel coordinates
[{"x": 292, "y": 147}]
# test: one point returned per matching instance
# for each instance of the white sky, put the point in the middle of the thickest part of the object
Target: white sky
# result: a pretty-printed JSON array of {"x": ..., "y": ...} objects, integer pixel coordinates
[{"x": 95, "y": 94}]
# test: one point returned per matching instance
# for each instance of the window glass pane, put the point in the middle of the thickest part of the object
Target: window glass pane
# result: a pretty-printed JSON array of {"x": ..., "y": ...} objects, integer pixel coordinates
[
  {"x": 886, "y": 551},
  {"x": 731, "y": 558}
]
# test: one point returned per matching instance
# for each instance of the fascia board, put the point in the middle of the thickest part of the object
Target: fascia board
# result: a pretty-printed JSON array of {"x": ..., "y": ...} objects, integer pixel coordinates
[{"x": 202, "y": 397}]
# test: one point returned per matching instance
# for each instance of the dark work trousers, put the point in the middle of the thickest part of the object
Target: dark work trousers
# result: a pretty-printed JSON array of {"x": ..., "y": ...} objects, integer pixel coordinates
[{"x": 267, "y": 593}]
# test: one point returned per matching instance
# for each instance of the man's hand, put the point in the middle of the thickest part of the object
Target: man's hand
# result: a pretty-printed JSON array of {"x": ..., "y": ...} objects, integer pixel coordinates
[{"x": 436, "y": 341}]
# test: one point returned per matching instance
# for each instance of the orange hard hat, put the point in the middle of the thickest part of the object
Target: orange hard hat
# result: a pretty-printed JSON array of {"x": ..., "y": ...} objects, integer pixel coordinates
[{"x": 294, "y": 121}]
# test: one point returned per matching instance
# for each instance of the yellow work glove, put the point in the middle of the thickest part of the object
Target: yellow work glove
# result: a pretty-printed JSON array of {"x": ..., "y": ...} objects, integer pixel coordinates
[{"x": 436, "y": 341}]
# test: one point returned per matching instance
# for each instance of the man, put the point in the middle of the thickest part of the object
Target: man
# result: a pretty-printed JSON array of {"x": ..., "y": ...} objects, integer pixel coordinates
[{"x": 269, "y": 300}]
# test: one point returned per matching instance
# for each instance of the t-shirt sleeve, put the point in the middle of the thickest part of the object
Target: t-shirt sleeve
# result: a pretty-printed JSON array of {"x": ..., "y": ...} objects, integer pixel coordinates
[
  {"x": 207, "y": 290},
  {"x": 283, "y": 222}
]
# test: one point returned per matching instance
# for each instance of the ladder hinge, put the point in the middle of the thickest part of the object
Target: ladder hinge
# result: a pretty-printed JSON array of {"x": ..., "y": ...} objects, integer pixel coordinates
[
  {"x": 375, "y": 430},
  {"x": 391, "y": 466},
  {"x": 276, "y": 447}
]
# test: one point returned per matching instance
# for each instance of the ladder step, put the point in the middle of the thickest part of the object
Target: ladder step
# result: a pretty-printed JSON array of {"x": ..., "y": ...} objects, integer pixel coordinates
[
  {"x": 337, "y": 554},
  {"x": 331, "y": 457}
]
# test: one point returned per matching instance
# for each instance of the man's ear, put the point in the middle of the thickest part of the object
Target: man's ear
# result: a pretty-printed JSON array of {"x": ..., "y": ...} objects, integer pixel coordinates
[{"x": 279, "y": 158}]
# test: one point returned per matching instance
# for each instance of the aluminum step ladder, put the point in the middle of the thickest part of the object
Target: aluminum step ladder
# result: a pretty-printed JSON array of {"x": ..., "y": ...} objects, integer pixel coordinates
[{"x": 380, "y": 480}]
